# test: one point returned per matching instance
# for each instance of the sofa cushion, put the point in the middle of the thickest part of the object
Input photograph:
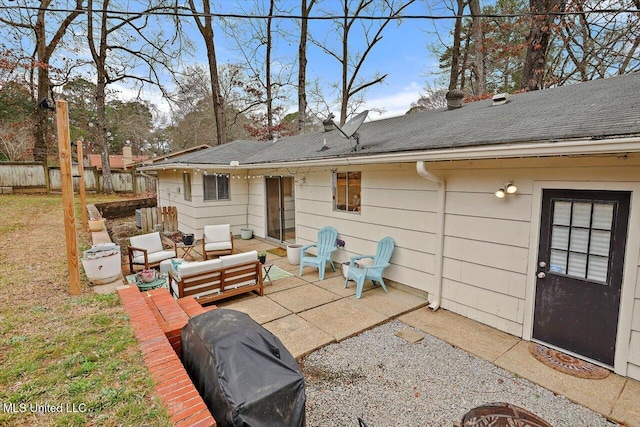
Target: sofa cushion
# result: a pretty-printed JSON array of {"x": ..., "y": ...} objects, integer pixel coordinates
[
  {"x": 217, "y": 246},
  {"x": 243, "y": 258},
  {"x": 190, "y": 268},
  {"x": 217, "y": 233},
  {"x": 153, "y": 257},
  {"x": 151, "y": 242}
]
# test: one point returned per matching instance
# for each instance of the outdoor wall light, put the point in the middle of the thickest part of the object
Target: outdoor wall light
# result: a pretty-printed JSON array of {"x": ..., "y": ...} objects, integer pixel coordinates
[{"x": 508, "y": 188}]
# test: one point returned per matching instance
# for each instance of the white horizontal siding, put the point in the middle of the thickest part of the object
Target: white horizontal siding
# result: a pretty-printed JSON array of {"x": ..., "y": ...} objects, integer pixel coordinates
[{"x": 394, "y": 201}]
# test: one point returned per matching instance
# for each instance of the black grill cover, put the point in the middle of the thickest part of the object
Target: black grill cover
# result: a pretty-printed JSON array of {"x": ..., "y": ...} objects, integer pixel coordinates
[{"x": 242, "y": 371}]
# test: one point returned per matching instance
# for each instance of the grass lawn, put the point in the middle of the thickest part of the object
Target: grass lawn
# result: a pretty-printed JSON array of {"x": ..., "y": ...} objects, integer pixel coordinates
[{"x": 58, "y": 351}]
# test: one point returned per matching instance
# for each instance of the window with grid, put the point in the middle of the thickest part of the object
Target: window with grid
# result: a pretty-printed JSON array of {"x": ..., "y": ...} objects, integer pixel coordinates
[
  {"x": 581, "y": 239},
  {"x": 216, "y": 187},
  {"x": 186, "y": 182},
  {"x": 346, "y": 191}
]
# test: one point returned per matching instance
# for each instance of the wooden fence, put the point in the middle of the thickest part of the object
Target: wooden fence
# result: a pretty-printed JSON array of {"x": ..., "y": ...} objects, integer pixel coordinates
[
  {"x": 33, "y": 176},
  {"x": 152, "y": 218}
]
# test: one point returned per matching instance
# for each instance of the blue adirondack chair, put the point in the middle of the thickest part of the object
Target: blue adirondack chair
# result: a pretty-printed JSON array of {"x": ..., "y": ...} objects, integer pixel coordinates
[
  {"x": 374, "y": 271},
  {"x": 325, "y": 247}
]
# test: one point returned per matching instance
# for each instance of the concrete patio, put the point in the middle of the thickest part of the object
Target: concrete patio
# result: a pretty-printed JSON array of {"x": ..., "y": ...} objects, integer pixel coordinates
[{"x": 306, "y": 314}]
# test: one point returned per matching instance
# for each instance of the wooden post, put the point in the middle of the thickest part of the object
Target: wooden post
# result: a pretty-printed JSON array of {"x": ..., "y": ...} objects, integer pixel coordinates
[
  {"x": 83, "y": 199},
  {"x": 66, "y": 180}
]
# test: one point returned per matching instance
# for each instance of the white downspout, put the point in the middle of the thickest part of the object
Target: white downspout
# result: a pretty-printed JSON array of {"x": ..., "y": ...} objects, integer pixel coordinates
[{"x": 439, "y": 249}]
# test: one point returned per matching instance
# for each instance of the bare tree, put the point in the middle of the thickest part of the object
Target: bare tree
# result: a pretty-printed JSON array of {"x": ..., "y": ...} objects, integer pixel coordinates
[
  {"x": 116, "y": 60},
  {"x": 305, "y": 11},
  {"x": 352, "y": 82},
  {"x": 588, "y": 45},
  {"x": 268, "y": 80},
  {"x": 203, "y": 21},
  {"x": 433, "y": 99},
  {"x": 34, "y": 23}
]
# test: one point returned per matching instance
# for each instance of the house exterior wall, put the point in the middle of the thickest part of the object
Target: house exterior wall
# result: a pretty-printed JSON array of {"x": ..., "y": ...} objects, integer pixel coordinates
[
  {"x": 489, "y": 243},
  {"x": 394, "y": 202},
  {"x": 195, "y": 214}
]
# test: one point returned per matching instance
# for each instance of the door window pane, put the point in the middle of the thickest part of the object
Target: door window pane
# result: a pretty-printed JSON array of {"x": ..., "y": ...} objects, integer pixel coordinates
[
  {"x": 560, "y": 238},
  {"x": 562, "y": 213},
  {"x": 598, "y": 268},
  {"x": 600, "y": 242},
  {"x": 602, "y": 216},
  {"x": 558, "y": 262},
  {"x": 579, "y": 240},
  {"x": 581, "y": 215},
  {"x": 577, "y": 265}
]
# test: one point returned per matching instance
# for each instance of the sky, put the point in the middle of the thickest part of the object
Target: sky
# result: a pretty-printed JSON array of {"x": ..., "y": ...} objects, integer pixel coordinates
[{"x": 402, "y": 54}]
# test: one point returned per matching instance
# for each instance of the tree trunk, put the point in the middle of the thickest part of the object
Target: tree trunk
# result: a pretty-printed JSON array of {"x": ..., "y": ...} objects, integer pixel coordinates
[
  {"x": 100, "y": 58},
  {"x": 478, "y": 38},
  {"x": 218, "y": 103},
  {"x": 302, "y": 65},
  {"x": 345, "y": 65},
  {"x": 268, "y": 76},
  {"x": 538, "y": 43},
  {"x": 101, "y": 128},
  {"x": 40, "y": 148},
  {"x": 455, "y": 51},
  {"x": 465, "y": 58},
  {"x": 206, "y": 30}
]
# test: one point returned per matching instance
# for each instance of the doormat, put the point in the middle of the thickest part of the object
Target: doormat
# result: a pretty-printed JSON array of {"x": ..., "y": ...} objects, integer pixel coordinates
[
  {"x": 567, "y": 364},
  {"x": 278, "y": 251}
]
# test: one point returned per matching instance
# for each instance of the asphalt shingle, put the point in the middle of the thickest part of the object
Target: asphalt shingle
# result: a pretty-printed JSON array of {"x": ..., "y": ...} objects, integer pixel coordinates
[{"x": 597, "y": 109}]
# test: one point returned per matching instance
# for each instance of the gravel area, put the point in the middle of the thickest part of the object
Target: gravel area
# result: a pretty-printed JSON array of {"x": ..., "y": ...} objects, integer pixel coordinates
[{"x": 388, "y": 381}]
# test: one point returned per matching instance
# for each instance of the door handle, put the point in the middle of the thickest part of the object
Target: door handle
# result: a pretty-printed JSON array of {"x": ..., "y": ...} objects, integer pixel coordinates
[{"x": 541, "y": 275}]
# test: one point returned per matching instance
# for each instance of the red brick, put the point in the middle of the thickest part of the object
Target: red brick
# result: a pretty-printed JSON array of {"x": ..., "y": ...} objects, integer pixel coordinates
[
  {"x": 200, "y": 419},
  {"x": 164, "y": 389},
  {"x": 183, "y": 394},
  {"x": 191, "y": 410}
]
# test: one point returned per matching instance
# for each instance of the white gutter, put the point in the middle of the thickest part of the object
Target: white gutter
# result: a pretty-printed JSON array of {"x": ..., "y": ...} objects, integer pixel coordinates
[
  {"x": 439, "y": 249},
  {"x": 494, "y": 151}
]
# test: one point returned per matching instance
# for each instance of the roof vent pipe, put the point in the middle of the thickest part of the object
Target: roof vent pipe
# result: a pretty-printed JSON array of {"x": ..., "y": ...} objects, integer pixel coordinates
[
  {"x": 500, "y": 98},
  {"x": 454, "y": 99},
  {"x": 439, "y": 249}
]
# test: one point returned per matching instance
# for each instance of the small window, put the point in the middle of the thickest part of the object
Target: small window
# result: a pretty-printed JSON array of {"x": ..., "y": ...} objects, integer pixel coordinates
[
  {"x": 216, "y": 187},
  {"x": 186, "y": 182},
  {"x": 346, "y": 191},
  {"x": 581, "y": 239}
]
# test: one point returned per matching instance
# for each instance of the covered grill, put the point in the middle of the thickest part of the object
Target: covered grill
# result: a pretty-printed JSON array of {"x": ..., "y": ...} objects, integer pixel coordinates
[{"x": 243, "y": 372}]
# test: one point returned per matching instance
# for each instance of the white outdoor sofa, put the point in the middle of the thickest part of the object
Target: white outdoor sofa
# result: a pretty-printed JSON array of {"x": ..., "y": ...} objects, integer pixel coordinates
[{"x": 216, "y": 279}]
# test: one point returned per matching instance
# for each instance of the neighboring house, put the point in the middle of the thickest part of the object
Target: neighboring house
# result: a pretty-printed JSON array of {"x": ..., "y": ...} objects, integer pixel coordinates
[
  {"x": 156, "y": 159},
  {"x": 117, "y": 161},
  {"x": 557, "y": 261}
]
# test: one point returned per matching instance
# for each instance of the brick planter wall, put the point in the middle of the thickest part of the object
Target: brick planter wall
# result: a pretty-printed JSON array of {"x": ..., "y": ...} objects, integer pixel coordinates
[{"x": 157, "y": 320}]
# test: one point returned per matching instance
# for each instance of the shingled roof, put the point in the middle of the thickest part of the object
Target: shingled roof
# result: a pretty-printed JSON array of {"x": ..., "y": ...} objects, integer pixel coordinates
[{"x": 595, "y": 110}]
